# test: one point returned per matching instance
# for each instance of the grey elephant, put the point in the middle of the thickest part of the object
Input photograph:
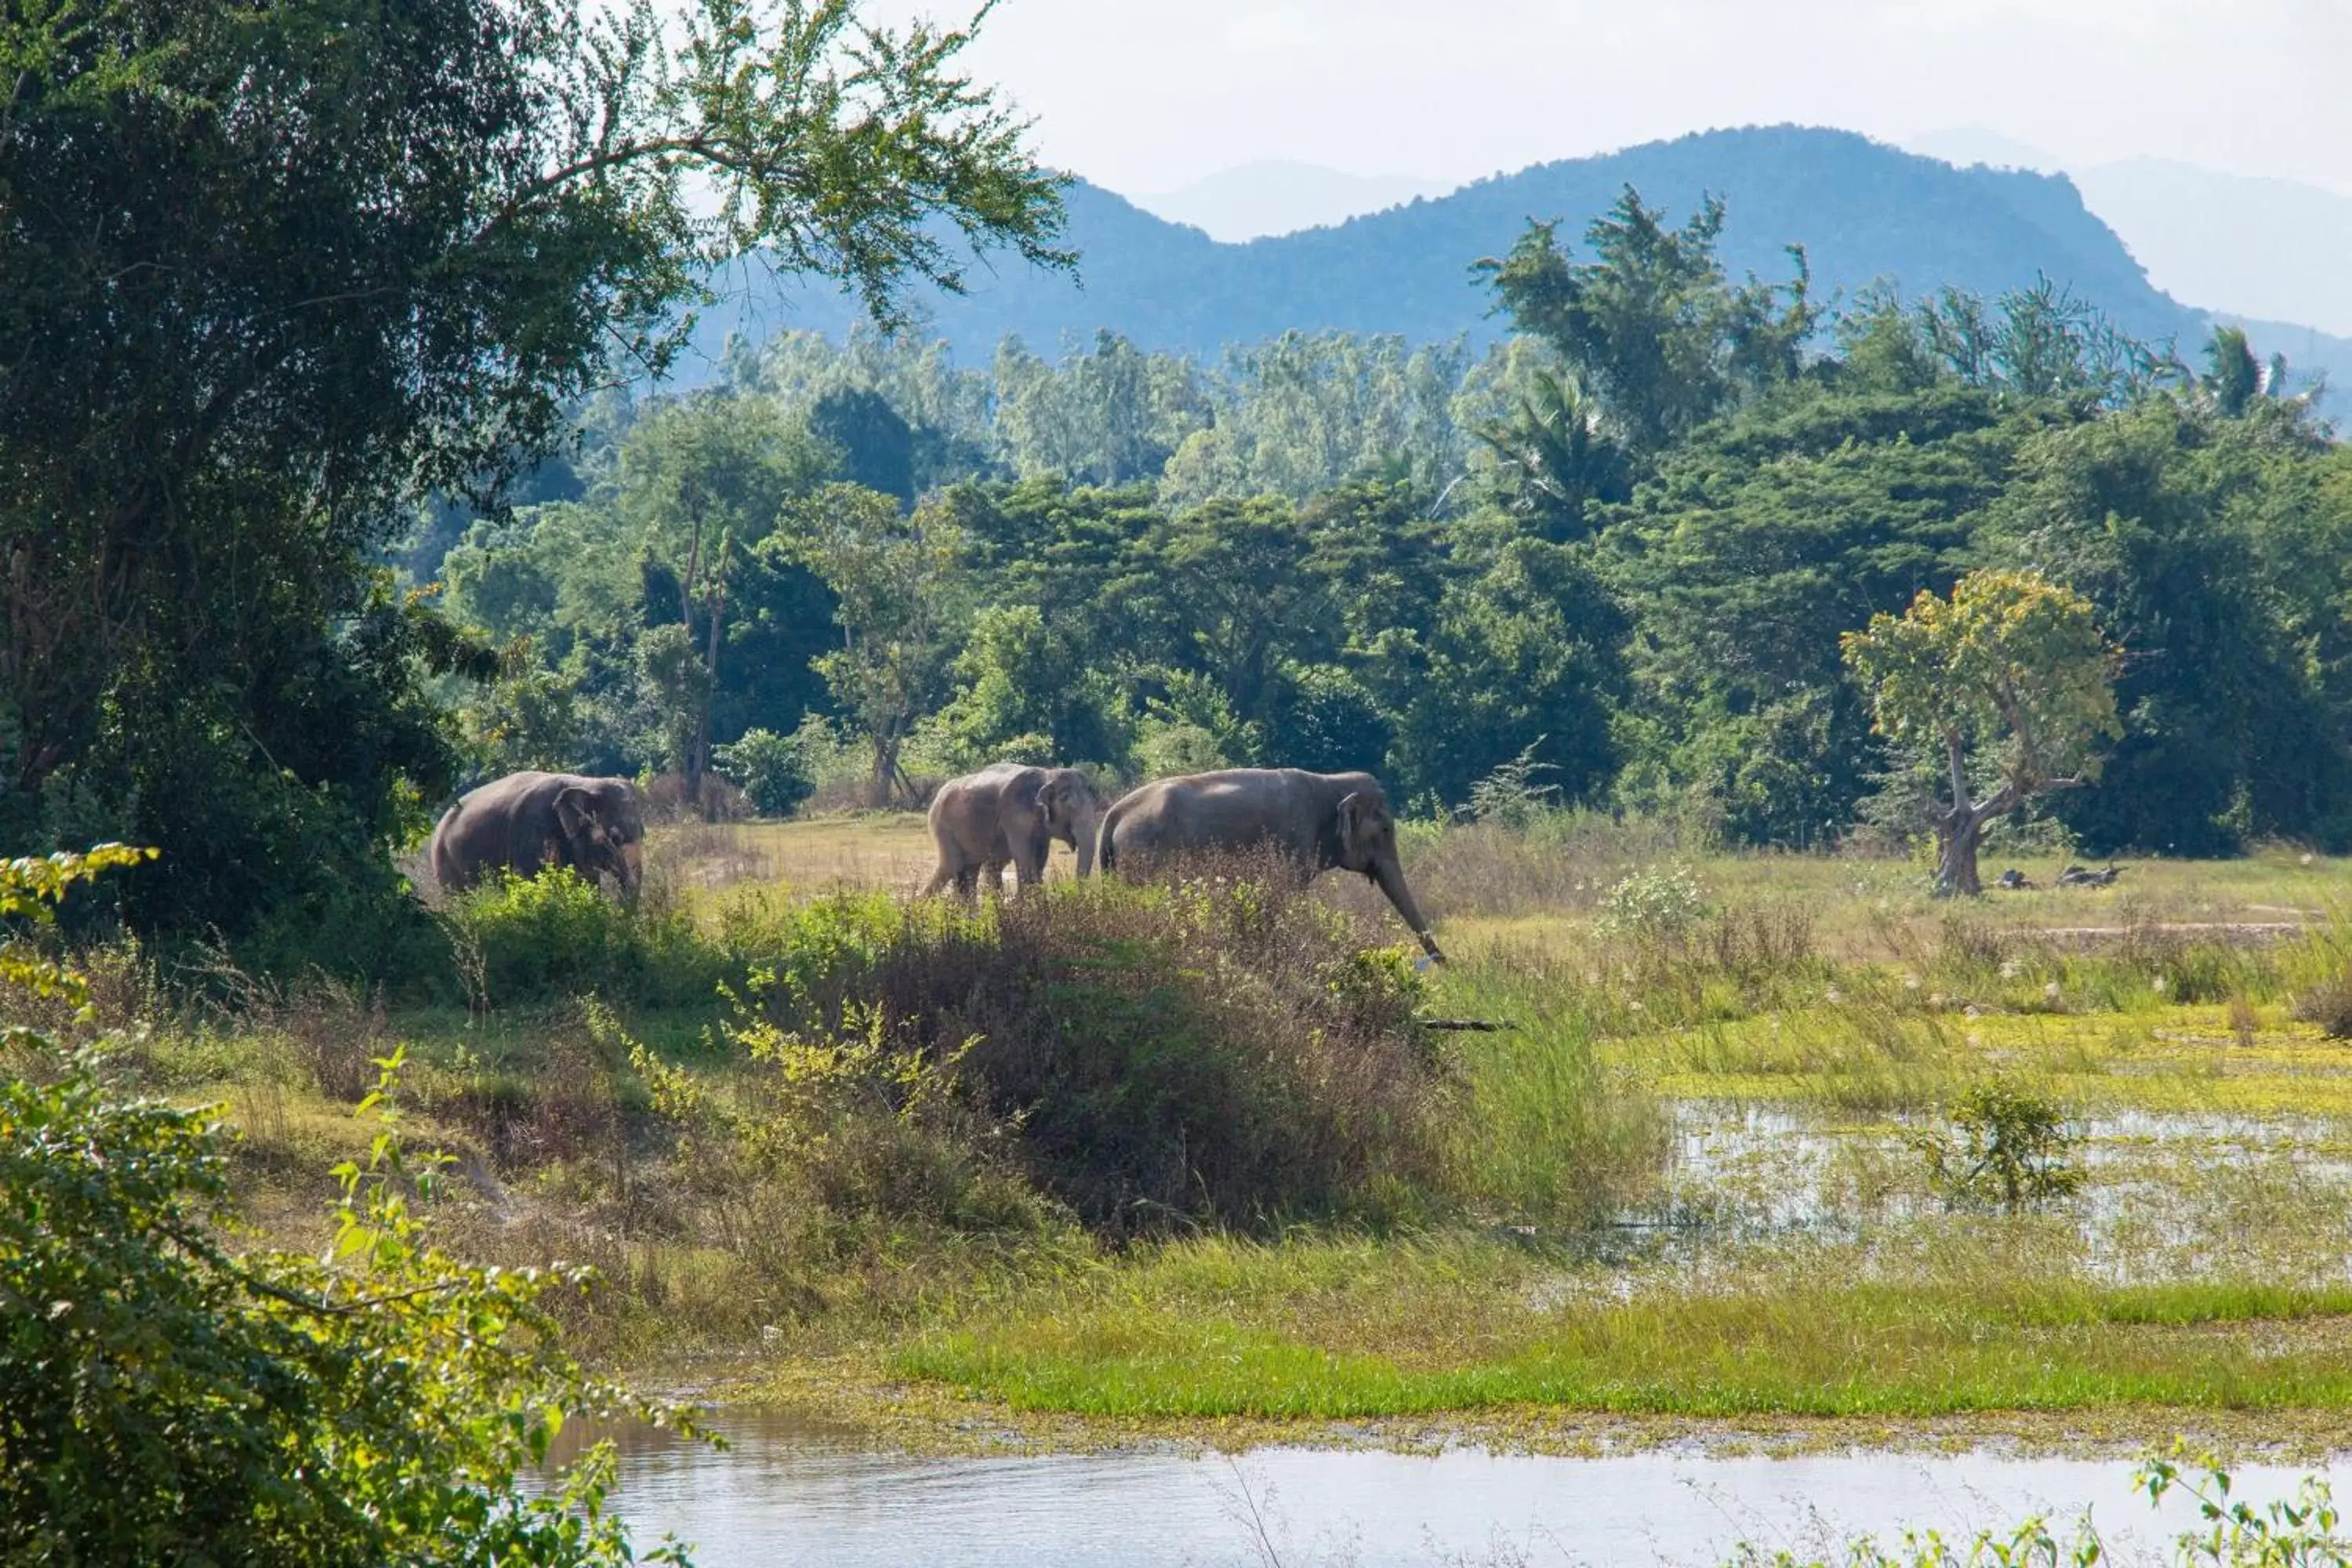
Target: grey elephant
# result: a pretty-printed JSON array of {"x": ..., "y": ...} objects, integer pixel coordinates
[
  {"x": 1321, "y": 822},
  {"x": 525, "y": 822},
  {"x": 1010, "y": 812}
]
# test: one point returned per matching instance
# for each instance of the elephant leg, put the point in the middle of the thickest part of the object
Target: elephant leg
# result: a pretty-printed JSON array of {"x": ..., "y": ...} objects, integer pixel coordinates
[
  {"x": 967, "y": 883},
  {"x": 940, "y": 878},
  {"x": 992, "y": 876}
]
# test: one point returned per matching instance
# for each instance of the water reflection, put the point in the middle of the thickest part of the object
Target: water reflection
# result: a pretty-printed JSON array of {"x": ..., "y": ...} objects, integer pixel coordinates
[{"x": 787, "y": 1495}]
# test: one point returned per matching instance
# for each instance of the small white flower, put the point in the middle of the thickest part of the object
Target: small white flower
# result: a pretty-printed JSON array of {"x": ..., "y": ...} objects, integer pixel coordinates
[
  {"x": 2307, "y": 860},
  {"x": 2050, "y": 990},
  {"x": 1834, "y": 995},
  {"x": 1910, "y": 982},
  {"x": 2009, "y": 969},
  {"x": 2158, "y": 985}
]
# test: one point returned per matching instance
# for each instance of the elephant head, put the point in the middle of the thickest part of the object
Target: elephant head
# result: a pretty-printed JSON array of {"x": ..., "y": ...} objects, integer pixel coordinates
[
  {"x": 604, "y": 828},
  {"x": 1368, "y": 844},
  {"x": 1071, "y": 810}
]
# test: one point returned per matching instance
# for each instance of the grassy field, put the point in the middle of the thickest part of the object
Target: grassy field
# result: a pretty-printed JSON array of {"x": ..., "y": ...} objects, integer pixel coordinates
[{"x": 1692, "y": 1177}]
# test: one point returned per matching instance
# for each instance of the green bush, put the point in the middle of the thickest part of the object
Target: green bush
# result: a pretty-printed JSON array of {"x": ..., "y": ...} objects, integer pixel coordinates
[
  {"x": 2007, "y": 1148},
  {"x": 526, "y": 940},
  {"x": 769, "y": 768}
]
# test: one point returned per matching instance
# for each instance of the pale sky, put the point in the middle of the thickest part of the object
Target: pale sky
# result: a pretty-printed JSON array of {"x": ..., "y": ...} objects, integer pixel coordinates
[{"x": 1149, "y": 95}]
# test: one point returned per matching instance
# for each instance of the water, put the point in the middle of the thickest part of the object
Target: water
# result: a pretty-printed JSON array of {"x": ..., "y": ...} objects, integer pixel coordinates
[{"x": 779, "y": 1498}]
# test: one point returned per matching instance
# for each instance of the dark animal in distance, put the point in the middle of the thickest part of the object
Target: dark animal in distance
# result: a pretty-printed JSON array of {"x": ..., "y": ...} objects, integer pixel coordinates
[
  {"x": 2083, "y": 877},
  {"x": 526, "y": 821},
  {"x": 1013, "y": 813},
  {"x": 2015, "y": 881},
  {"x": 1316, "y": 822}
]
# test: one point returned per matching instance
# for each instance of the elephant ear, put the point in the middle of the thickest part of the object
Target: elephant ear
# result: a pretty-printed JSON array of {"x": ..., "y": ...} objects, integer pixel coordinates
[
  {"x": 575, "y": 808},
  {"x": 1059, "y": 801},
  {"x": 1359, "y": 819}
]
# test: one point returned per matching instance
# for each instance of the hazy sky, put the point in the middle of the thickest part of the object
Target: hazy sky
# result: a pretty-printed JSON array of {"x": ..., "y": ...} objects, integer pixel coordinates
[{"x": 1147, "y": 95}]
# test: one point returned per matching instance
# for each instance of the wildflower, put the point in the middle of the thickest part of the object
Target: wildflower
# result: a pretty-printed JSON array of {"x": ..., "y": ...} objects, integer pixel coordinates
[
  {"x": 2306, "y": 858},
  {"x": 1834, "y": 995},
  {"x": 1910, "y": 982},
  {"x": 2008, "y": 968},
  {"x": 2050, "y": 990},
  {"x": 2158, "y": 985}
]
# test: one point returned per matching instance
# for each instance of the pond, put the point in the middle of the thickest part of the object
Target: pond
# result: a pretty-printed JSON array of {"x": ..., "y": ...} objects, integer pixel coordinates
[{"x": 783, "y": 1496}]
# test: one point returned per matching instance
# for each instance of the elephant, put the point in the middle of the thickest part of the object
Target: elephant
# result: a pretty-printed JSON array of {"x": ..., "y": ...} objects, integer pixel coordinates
[
  {"x": 524, "y": 822},
  {"x": 1317, "y": 821},
  {"x": 1010, "y": 812}
]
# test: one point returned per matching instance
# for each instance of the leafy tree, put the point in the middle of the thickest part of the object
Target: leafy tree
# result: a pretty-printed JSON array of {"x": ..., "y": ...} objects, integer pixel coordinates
[
  {"x": 1027, "y": 692},
  {"x": 1651, "y": 325},
  {"x": 703, "y": 481},
  {"x": 1554, "y": 457},
  {"x": 900, "y": 600},
  {"x": 876, "y": 446},
  {"x": 354, "y": 256},
  {"x": 2151, "y": 513},
  {"x": 1758, "y": 539},
  {"x": 1520, "y": 661},
  {"x": 2011, "y": 671}
]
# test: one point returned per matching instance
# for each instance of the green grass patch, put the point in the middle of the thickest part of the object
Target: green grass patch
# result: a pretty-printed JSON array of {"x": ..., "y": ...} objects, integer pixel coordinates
[{"x": 1908, "y": 1348}]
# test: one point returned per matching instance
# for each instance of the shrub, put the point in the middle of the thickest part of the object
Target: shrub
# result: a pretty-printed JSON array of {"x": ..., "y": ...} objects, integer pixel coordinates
[
  {"x": 1224, "y": 1049},
  {"x": 2006, "y": 1146},
  {"x": 1660, "y": 904},
  {"x": 771, "y": 770},
  {"x": 2328, "y": 1004},
  {"x": 553, "y": 935}
]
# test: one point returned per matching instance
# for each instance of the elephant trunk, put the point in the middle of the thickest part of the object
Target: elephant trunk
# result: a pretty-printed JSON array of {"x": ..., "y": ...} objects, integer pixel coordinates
[
  {"x": 632, "y": 868},
  {"x": 1390, "y": 877},
  {"x": 1084, "y": 830}
]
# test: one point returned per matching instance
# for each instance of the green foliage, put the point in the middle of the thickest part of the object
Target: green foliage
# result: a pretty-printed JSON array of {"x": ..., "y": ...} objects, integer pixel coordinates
[
  {"x": 771, "y": 769},
  {"x": 2006, "y": 1147},
  {"x": 900, "y": 602},
  {"x": 543, "y": 939},
  {"x": 171, "y": 1399}
]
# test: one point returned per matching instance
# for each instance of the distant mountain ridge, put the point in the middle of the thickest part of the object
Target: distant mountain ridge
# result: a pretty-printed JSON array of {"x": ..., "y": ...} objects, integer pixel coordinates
[
  {"x": 1863, "y": 212},
  {"x": 1281, "y": 196}
]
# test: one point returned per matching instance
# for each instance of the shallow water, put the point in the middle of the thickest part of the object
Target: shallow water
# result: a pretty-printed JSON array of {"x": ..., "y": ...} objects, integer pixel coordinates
[{"x": 780, "y": 1498}]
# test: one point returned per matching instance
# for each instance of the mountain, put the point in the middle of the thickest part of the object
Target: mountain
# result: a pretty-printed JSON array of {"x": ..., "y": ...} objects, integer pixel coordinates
[
  {"x": 1864, "y": 211},
  {"x": 2237, "y": 244},
  {"x": 1256, "y": 200},
  {"x": 2262, "y": 248}
]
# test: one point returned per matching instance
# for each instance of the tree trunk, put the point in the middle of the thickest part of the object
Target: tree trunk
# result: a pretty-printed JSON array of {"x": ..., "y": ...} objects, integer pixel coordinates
[
  {"x": 1959, "y": 833},
  {"x": 1957, "y": 838},
  {"x": 698, "y": 756}
]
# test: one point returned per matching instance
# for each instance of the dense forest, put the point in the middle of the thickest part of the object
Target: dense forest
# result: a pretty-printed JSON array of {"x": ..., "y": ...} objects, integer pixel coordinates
[{"x": 1617, "y": 551}]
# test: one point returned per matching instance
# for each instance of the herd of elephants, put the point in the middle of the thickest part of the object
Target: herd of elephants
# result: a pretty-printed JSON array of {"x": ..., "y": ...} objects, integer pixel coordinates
[{"x": 1010, "y": 813}]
